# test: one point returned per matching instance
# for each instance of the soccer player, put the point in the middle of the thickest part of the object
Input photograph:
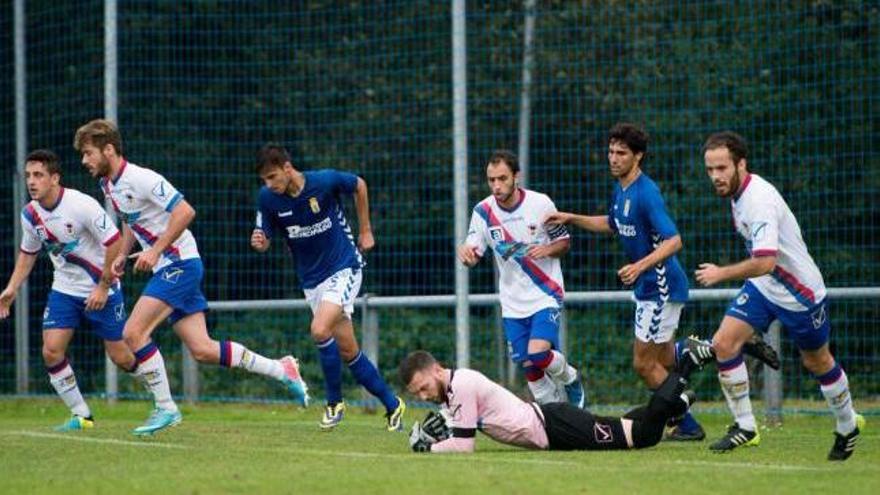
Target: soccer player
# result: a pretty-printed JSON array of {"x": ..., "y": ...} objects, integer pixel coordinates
[
  {"x": 155, "y": 213},
  {"x": 469, "y": 402},
  {"x": 781, "y": 282},
  {"x": 638, "y": 215},
  {"x": 82, "y": 243},
  {"x": 305, "y": 208},
  {"x": 510, "y": 223}
]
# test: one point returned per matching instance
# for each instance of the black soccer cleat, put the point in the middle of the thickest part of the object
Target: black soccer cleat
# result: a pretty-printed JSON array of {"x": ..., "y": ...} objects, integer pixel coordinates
[
  {"x": 762, "y": 351},
  {"x": 736, "y": 437},
  {"x": 844, "y": 445}
]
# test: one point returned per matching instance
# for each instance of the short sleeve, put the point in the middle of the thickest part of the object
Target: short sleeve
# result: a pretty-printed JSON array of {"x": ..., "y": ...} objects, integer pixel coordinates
[
  {"x": 153, "y": 187},
  {"x": 764, "y": 230},
  {"x": 30, "y": 241},
  {"x": 476, "y": 235},
  {"x": 343, "y": 182},
  {"x": 658, "y": 216}
]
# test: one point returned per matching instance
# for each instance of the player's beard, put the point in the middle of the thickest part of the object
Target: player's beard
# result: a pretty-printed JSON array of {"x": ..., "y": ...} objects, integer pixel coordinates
[
  {"x": 734, "y": 184},
  {"x": 103, "y": 168}
]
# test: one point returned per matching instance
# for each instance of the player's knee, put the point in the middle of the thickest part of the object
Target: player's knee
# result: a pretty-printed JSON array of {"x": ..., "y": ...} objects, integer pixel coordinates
[
  {"x": 320, "y": 332},
  {"x": 205, "y": 352},
  {"x": 643, "y": 366},
  {"x": 52, "y": 356},
  {"x": 818, "y": 363},
  {"x": 725, "y": 348}
]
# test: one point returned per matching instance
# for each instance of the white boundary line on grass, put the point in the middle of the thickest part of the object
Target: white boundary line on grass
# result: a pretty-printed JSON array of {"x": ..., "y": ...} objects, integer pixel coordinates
[{"x": 112, "y": 441}]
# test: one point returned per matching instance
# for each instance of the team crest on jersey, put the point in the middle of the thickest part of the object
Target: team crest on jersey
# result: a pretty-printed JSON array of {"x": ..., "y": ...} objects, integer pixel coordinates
[
  {"x": 68, "y": 227},
  {"x": 742, "y": 299},
  {"x": 496, "y": 234},
  {"x": 159, "y": 191},
  {"x": 602, "y": 433},
  {"x": 819, "y": 317},
  {"x": 42, "y": 233},
  {"x": 313, "y": 204}
]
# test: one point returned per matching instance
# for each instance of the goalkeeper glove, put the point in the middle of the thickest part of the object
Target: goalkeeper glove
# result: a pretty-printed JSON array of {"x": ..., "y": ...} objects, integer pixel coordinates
[
  {"x": 419, "y": 440},
  {"x": 435, "y": 426}
]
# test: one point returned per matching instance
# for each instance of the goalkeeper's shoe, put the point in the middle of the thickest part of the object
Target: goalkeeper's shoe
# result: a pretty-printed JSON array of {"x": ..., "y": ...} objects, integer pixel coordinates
[
  {"x": 575, "y": 393},
  {"x": 294, "y": 381},
  {"x": 736, "y": 437},
  {"x": 76, "y": 423},
  {"x": 159, "y": 420},
  {"x": 333, "y": 414},
  {"x": 394, "y": 419},
  {"x": 844, "y": 445},
  {"x": 762, "y": 351}
]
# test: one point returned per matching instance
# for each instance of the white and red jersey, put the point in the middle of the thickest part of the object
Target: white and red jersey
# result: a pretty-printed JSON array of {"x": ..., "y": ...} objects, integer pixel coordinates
[
  {"x": 525, "y": 285},
  {"x": 143, "y": 199},
  {"x": 769, "y": 227},
  {"x": 74, "y": 232},
  {"x": 475, "y": 402}
]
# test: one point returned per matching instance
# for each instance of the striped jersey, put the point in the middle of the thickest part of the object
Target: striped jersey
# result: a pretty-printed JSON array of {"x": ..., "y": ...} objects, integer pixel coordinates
[
  {"x": 525, "y": 285},
  {"x": 769, "y": 227},
  {"x": 143, "y": 199},
  {"x": 74, "y": 232}
]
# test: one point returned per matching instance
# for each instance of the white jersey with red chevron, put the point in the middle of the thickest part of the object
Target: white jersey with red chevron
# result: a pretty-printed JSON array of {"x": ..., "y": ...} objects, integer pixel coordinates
[
  {"x": 74, "y": 233},
  {"x": 525, "y": 285},
  {"x": 769, "y": 227},
  {"x": 144, "y": 199}
]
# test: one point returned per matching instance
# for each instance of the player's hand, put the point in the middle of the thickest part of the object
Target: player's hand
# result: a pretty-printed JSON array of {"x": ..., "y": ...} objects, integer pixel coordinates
[
  {"x": 118, "y": 266},
  {"x": 366, "y": 241},
  {"x": 419, "y": 440},
  {"x": 538, "y": 252},
  {"x": 97, "y": 299},
  {"x": 435, "y": 426},
  {"x": 558, "y": 218},
  {"x": 146, "y": 260},
  {"x": 259, "y": 241},
  {"x": 629, "y": 273},
  {"x": 708, "y": 274},
  {"x": 6, "y": 298},
  {"x": 468, "y": 254}
]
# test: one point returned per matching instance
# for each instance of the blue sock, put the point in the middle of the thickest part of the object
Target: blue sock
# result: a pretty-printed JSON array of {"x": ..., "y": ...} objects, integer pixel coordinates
[
  {"x": 331, "y": 364},
  {"x": 688, "y": 424},
  {"x": 368, "y": 376}
]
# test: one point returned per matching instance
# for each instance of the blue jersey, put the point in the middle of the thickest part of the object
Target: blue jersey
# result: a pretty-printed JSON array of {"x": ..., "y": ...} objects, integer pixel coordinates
[
  {"x": 638, "y": 215},
  {"x": 314, "y": 225}
]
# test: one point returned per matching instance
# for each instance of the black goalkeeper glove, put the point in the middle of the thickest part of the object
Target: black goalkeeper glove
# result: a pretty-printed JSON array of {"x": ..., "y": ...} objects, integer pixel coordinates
[
  {"x": 435, "y": 426},
  {"x": 419, "y": 440}
]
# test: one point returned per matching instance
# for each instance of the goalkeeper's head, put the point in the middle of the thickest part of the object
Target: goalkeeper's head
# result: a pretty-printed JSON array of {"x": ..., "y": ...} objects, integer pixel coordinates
[{"x": 424, "y": 377}]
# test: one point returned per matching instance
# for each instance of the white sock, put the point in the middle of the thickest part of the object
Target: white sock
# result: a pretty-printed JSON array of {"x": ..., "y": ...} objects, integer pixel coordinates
[
  {"x": 64, "y": 382},
  {"x": 560, "y": 370},
  {"x": 152, "y": 372},
  {"x": 544, "y": 390},
  {"x": 247, "y": 359},
  {"x": 735, "y": 386},
  {"x": 839, "y": 400}
]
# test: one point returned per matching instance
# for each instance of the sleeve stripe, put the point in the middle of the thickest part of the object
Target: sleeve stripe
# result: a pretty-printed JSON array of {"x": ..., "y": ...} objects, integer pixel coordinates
[
  {"x": 763, "y": 252},
  {"x": 112, "y": 239},
  {"x": 25, "y": 251},
  {"x": 464, "y": 432}
]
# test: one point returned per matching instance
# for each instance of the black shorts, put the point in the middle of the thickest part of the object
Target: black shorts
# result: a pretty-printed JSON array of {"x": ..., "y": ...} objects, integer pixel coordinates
[{"x": 571, "y": 428}]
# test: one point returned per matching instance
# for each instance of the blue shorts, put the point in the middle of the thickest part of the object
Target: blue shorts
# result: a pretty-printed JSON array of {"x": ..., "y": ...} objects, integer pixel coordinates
[
  {"x": 179, "y": 285},
  {"x": 66, "y": 311},
  {"x": 808, "y": 329},
  {"x": 543, "y": 325}
]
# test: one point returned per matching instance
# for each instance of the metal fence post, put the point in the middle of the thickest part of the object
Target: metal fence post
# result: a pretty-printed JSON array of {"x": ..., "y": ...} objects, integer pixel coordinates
[
  {"x": 190, "y": 375},
  {"x": 773, "y": 380},
  {"x": 111, "y": 380}
]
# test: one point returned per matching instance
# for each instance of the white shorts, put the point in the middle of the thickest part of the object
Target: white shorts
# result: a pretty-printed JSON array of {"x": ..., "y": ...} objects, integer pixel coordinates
[
  {"x": 341, "y": 289},
  {"x": 656, "y": 322}
]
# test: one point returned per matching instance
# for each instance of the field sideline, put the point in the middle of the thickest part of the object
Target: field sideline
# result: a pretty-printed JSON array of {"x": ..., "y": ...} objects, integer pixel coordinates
[{"x": 241, "y": 448}]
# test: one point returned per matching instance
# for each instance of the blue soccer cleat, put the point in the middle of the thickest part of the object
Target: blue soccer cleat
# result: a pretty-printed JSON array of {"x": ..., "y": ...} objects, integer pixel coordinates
[
  {"x": 575, "y": 393},
  {"x": 159, "y": 420},
  {"x": 294, "y": 381},
  {"x": 333, "y": 414},
  {"x": 76, "y": 423},
  {"x": 394, "y": 419}
]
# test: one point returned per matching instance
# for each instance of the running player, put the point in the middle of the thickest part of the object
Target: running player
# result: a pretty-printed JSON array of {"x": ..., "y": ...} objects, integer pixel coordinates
[
  {"x": 155, "y": 214},
  {"x": 510, "y": 223},
  {"x": 305, "y": 208}
]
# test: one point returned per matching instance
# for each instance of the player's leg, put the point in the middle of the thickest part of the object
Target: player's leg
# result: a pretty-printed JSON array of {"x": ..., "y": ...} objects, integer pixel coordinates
[
  {"x": 543, "y": 354},
  {"x": 572, "y": 428},
  {"x": 325, "y": 317},
  {"x": 810, "y": 331},
  {"x": 668, "y": 401},
  {"x": 517, "y": 331}
]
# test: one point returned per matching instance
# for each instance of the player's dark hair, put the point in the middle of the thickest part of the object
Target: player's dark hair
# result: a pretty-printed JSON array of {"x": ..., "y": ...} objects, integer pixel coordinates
[
  {"x": 416, "y": 361},
  {"x": 507, "y": 157},
  {"x": 98, "y": 133},
  {"x": 635, "y": 138},
  {"x": 271, "y": 155},
  {"x": 48, "y": 158},
  {"x": 734, "y": 143}
]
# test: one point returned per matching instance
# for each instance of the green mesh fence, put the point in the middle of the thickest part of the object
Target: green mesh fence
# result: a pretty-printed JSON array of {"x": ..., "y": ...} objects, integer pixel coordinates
[{"x": 366, "y": 87}]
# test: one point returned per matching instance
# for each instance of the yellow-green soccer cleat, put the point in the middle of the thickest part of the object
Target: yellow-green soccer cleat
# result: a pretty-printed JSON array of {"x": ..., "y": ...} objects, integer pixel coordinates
[
  {"x": 394, "y": 419},
  {"x": 736, "y": 437},
  {"x": 76, "y": 423},
  {"x": 844, "y": 445},
  {"x": 333, "y": 414}
]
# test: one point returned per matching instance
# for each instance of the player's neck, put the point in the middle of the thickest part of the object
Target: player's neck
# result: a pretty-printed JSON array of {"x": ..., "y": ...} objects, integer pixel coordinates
[
  {"x": 512, "y": 200},
  {"x": 115, "y": 166},
  {"x": 630, "y": 177},
  {"x": 297, "y": 183},
  {"x": 51, "y": 199}
]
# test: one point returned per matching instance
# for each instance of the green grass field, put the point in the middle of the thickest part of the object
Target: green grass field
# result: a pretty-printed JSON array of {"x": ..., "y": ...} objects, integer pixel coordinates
[{"x": 236, "y": 448}]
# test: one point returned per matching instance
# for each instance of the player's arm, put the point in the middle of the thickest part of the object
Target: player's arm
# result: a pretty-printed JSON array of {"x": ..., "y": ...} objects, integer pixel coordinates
[
  {"x": 366, "y": 241},
  {"x": 98, "y": 297},
  {"x": 593, "y": 223},
  {"x": 23, "y": 267},
  {"x": 262, "y": 233},
  {"x": 630, "y": 273},
  {"x": 181, "y": 216},
  {"x": 709, "y": 274},
  {"x": 471, "y": 250}
]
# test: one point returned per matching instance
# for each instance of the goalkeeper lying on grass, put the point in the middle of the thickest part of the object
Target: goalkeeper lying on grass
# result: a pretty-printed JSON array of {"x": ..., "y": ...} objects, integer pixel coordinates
[{"x": 469, "y": 401}]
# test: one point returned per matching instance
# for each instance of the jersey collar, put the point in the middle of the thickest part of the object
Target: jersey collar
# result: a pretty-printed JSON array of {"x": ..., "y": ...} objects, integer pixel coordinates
[
  {"x": 522, "y": 197},
  {"x": 742, "y": 188},
  {"x": 57, "y": 201},
  {"x": 121, "y": 170}
]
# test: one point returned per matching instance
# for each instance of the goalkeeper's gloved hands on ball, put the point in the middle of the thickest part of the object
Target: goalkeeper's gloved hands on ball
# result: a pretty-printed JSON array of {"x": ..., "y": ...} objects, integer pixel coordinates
[{"x": 432, "y": 430}]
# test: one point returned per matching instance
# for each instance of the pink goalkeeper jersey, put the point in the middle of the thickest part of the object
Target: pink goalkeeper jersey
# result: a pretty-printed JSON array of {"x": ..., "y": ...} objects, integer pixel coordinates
[{"x": 475, "y": 402}]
